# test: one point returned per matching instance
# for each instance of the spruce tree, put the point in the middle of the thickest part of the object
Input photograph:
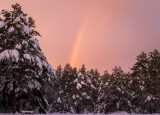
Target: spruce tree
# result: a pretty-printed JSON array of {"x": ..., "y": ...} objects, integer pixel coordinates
[
  {"x": 153, "y": 97},
  {"x": 23, "y": 67},
  {"x": 151, "y": 77},
  {"x": 145, "y": 83},
  {"x": 63, "y": 101},
  {"x": 113, "y": 93},
  {"x": 102, "y": 93},
  {"x": 140, "y": 77},
  {"x": 82, "y": 97},
  {"x": 94, "y": 76},
  {"x": 58, "y": 102}
]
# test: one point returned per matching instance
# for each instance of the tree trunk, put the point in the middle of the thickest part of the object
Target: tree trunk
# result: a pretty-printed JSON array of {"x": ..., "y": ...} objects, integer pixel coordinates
[{"x": 14, "y": 101}]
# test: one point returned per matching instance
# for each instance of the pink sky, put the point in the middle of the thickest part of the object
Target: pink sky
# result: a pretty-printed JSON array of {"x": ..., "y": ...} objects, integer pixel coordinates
[{"x": 101, "y": 34}]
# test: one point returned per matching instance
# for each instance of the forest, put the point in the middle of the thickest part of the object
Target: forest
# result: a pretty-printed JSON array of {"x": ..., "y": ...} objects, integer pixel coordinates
[
  {"x": 82, "y": 91},
  {"x": 28, "y": 82}
]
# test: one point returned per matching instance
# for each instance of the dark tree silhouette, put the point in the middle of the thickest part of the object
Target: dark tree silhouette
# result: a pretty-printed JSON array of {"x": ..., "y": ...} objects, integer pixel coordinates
[{"x": 23, "y": 67}]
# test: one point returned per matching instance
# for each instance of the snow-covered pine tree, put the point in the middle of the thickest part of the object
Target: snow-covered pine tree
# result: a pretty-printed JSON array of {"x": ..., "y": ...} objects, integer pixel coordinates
[
  {"x": 102, "y": 93},
  {"x": 145, "y": 83},
  {"x": 94, "y": 76},
  {"x": 153, "y": 99},
  {"x": 121, "y": 90},
  {"x": 113, "y": 93},
  {"x": 74, "y": 91},
  {"x": 58, "y": 101},
  {"x": 139, "y": 74},
  {"x": 23, "y": 67},
  {"x": 63, "y": 101},
  {"x": 154, "y": 72},
  {"x": 82, "y": 97}
]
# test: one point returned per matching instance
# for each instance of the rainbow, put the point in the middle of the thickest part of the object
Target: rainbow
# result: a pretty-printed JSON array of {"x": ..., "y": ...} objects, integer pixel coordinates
[
  {"x": 77, "y": 44},
  {"x": 80, "y": 35}
]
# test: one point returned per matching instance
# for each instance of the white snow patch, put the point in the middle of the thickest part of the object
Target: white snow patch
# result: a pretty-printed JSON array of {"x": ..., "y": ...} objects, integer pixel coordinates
[
  {"x": 119, "y": 113},
  {"x": 77, "y": 96},
  {"x": 11, "y": 29},
  {"x": 26, "y": 29},
  {"x": 82, "y": 83},
  {"x": 5, "y": 11},
  {"x": 39, "y": 63},
  {"x": 17, "y": 20},
  {"x": 34, "y": 84},
  {"x": 84, "y": 93},
  {"x": 25, "y": 90},
  {"x": 22, "y": 17},
  {"x": 89, "y": 80},
  {"x": 119, "y": 89},
  {"x": 115, "y": 113},
  {"x": 2, "y": 24},
  {"x": 44, "y": 63},
  {"x": 78, "y": 86},
  {"x": 75, "y": 81},
  {"x": 24, "y": 42},
  {"x": 27, "y": 56},
  {"x": 79, "y": 74},
  {"x": 35, "y": 41},
  {"x": 18, "y": 46},
  {"x": 88, "y": 97},
  {"x": 73, "y": 97},
  {"x": 18, "y": 25},
  {"x": 149, "y": 98},
  {"x": 106, "y": 83},
  {"x": 141, "y": 87},
  {"x": 93, "y": 86},
  {"x": 10, "y": 54},
  {"x": 59, "y": 100},
  {"x": 26, "y": 112},
  {"x": 117, "y": 105}
]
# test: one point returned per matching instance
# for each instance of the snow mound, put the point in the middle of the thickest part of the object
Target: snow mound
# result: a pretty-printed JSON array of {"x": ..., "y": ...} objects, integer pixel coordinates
[
  {"x": 115, "y": 113},
  {"x": 119, "y": 113}
]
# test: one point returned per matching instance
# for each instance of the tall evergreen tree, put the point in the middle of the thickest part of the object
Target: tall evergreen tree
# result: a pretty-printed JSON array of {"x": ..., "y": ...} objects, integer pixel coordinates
[
  {"x": 94, "y": 75},
  {"x": 82, "y": 97},
  {"x": 145, "y": 83},
  {"x": 153, "y": 99},
  {"x": 23, "y": 67},
  {"x": 64, "y": 101},
  {"x": 113, "y": 93},
  {"x": 154, "y": 71},
  {"x": 102, "y": 93},
  {"x": 59, "y": 104},
  {"x": 139, "y": 74}
]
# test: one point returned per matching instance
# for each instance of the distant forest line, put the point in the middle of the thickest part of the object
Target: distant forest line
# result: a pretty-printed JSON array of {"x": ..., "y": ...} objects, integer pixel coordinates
[
  {"x": 82, "y": 91},
  {"x": 29, "y": 83}
]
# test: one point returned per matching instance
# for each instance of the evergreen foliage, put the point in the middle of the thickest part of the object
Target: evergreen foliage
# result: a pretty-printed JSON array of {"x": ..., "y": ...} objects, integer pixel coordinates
[
  {"x": 28, "y": 82},
  {"x": 23, "y": 67},
  {"x": 134, "y": 92}
]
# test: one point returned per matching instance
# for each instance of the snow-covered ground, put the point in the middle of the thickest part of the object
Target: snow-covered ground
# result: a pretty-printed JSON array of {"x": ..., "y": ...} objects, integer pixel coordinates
[{"x": 114, "y": 113}]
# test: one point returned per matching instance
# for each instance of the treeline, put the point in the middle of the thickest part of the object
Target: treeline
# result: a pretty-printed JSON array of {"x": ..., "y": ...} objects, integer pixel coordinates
[
  {"x": 28, "y": 82},
  {"x": 82, "y": 91}
]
